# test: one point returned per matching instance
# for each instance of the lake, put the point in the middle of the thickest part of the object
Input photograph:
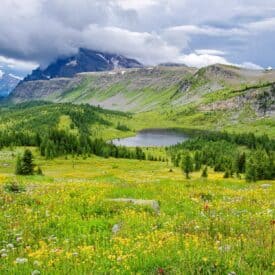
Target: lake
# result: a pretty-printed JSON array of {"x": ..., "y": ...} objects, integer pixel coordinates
[{"x": 152, "y": 138}]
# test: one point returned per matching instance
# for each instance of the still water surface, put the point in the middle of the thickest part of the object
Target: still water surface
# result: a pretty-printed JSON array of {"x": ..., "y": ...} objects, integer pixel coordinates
[{"x": 152, "y": 137}]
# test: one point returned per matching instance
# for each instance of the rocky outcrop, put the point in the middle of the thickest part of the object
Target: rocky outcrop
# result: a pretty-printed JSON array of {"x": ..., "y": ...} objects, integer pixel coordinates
[
  {"x": 151, "y": 203},
  {"x": 43, "y": 89},
  {"x": 262, "y": 100}
]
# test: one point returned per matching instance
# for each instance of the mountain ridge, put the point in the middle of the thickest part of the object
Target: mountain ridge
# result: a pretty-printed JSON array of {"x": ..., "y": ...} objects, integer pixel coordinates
[
  {"x": 84, "y": 61},
  {"x": 8, "y": 82}
]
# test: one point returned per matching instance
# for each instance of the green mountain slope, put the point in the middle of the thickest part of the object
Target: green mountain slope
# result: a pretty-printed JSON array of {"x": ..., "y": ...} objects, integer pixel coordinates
[
  {"x": 40, "y": 117},
  {"x": 217, "y": 97}
]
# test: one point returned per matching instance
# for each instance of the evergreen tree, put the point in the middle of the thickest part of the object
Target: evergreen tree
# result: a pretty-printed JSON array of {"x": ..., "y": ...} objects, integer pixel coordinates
[
  {"x": 197, "y": 160},
  {"x": 187, "y": 165},
  {"x": 204, "y": 172},
  {"x": 240, "y": 163},
  {"x": 226, "y": 174},
  {"x": 18, "y": 167},
  {"x": 27, "y": 166},
  {"x": 250, "y": 171}
]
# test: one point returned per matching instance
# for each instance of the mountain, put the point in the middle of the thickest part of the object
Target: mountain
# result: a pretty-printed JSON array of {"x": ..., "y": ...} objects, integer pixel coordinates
[
  {"x": 84, "y": 61},
  {"x": 7, "y": 83},
  {"x": 126, "y": 89},
  {"x": 145, "y": 89},
  {"x": 215, "y": 97}
]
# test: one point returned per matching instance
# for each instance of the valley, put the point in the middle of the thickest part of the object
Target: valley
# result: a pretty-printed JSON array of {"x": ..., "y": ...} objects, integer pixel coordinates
[
  {"x": 89, "y": 203},
  {"x": 137, "y": 137}
]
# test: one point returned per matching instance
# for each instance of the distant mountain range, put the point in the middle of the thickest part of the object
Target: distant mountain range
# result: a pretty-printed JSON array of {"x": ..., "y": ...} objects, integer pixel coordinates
[
  {"x": 84, "y": 61},
  {"x": 7, "y": 83}
]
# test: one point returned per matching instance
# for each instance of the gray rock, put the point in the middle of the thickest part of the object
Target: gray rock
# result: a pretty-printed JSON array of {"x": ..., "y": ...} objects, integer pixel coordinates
[
  {"x": 116, "y": 228},
  {"x": 266, "y": 185},
  {"x": 151, "y": 203}
]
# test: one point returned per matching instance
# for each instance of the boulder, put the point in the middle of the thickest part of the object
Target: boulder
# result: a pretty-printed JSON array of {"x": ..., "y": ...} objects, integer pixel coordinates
[
  {"x": 266, "y": 185},
  {"x": 151, "y": 203}
]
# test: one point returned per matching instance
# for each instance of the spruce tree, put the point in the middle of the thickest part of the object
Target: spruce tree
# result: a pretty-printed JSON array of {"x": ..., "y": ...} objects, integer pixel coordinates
[
  {"x": 204, "y": 172},
  {"x": 197, "y": 160},
  {"x": 27, "y": 166},
  {"x": 18, "y": 167},
  {"x": 187, "y": 165},
  {"x": 250, "y": 171}
]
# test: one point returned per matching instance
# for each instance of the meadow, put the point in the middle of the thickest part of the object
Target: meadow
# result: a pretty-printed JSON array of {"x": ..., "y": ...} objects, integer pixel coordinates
[{"x": 63, "y": 222}]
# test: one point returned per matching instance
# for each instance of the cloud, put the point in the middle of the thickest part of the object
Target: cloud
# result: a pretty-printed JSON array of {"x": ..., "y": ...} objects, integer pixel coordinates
[
  {"x": 1, "y": 74},
  {"x": 202, "y": 60},
  {"x": 137, "y": 4},
  {"x": 17, "y": 64},
  {"x": 191, "y": 31},
  {"x": 147, "y": 47},
  {"x": 249, "y": 65},
  {"x": 205, "y": 30},
  {"x": 266, "y": 25},
  {"x": 210, "y": 52}
]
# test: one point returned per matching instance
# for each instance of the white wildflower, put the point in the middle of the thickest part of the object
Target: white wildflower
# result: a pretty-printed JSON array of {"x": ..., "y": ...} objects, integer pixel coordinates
[
  {"x": 10, "y": 246},
  {"x": 21, "y": 260}
]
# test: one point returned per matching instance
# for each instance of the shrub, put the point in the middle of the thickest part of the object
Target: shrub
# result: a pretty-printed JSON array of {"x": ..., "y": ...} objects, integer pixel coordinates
[{"x": 14, "y": 187}]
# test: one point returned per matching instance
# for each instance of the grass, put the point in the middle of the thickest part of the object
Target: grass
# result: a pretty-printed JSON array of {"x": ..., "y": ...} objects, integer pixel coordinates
[{"x": 62, "y": 223}]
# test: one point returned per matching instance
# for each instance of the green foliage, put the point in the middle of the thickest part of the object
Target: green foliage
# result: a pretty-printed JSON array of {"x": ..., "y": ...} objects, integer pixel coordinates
[
  {"x": 204, "y": 172},
  {"x": 187, "y": 165},
  {"x": 228, "y": 153},
  {"x": 18, "y": 166},
  {"x": 228, "y": 93},
  {"x": 122, "y": 127},
  {"x": 14, "y": 187},
  {"x": 24, "y": 165},
  {"x": 39, "y": 171},
  {"x": 260, "y": 166}
]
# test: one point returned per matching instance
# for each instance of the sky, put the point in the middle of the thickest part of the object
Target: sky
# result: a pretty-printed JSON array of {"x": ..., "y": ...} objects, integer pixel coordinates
[{"x": 194, "y": 32}]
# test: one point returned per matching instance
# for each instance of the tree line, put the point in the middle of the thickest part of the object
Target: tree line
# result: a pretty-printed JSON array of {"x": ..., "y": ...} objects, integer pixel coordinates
[{"x": 233, "y": 154}]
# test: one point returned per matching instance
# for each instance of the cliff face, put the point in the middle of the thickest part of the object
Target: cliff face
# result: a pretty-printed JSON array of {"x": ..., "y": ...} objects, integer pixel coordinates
[{"x": 41, "y": 89}]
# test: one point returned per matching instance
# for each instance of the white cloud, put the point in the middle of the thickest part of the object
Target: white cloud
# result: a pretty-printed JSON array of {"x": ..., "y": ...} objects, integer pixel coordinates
[
  {"x": 202, "y": 60},
  {"x": 249, "y": 65},
  {"x": 1, "y": 74},
  {"x": 147, "y": 47},
  {"x": 153, "y": 31},
  {"x": 137, "y": 4},
  {"x": 17, "y": 64},
  {"x": 205, "y": 30},
  {"x": 210, "y": 52},
  {"x": 267, "y": 25}
]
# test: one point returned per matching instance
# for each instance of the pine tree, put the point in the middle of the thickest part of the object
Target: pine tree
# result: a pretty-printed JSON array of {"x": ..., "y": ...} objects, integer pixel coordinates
[
  {"x": 187, "y": 165},
  {"x": 197, "y": 160},
  {"x": 18, "y": 167},
  {"x": 250, "y": 171},
  {"x": 204, "y": 172},
  {"x": 27, "y": 166},
  {"x": 240, "y": 163},
  {"x": 226, "y": 174}
]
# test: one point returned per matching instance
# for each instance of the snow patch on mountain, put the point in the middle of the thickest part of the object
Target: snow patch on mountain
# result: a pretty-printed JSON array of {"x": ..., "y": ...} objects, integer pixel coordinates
[{"x": 72, "y": 63}]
